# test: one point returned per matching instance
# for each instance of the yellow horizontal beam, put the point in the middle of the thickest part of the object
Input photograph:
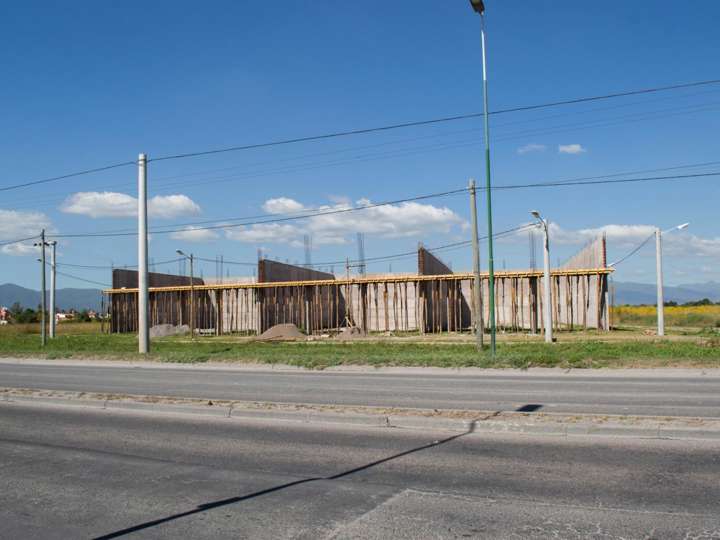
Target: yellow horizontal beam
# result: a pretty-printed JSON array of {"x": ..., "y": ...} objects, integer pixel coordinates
[{"x": 377, "y": 279}]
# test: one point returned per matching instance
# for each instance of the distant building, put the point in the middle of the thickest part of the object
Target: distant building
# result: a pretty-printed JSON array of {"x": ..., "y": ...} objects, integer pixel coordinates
[{"x": 60, "y": 317}]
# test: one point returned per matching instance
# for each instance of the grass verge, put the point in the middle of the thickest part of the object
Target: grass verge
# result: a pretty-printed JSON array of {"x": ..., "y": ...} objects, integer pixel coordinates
[{"x": 703, "y": 352}]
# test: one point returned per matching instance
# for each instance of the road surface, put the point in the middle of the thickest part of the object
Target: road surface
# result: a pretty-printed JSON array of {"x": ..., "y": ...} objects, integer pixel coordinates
[
  {"x": 688, "y": 393},
  {"x": 83, "y": 473}
]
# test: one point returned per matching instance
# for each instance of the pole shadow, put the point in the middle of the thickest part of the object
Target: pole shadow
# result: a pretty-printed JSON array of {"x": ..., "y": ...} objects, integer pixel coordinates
[{"x": 234, "y": 500}]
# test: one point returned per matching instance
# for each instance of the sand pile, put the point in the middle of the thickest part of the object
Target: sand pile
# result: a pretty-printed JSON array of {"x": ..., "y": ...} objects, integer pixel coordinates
[{"x": 281, "y": 332}]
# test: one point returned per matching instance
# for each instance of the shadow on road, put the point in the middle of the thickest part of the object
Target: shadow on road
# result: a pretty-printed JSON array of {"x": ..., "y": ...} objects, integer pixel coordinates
[
  {"x": 530, "y": 407},
  {"x": 233, "y": 500}
]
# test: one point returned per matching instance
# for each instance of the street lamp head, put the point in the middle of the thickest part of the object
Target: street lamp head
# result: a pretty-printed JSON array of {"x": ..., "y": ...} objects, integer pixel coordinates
[
  {"x": 179, "y": 252},
  {"x": 683, "y": 226},
  {"x": 535, "y": 214},
  {"x": 478, "y": 6}
]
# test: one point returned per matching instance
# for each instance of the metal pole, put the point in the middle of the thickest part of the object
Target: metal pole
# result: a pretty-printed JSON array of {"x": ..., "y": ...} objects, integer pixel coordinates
[
  {"x": 52, "y": 288},
  {"x": 43, "y": 336},
  {"x": 192, "y": 299},
  {"x": 488, "y": 193},
  {"x": 546, "y": 283},
  {"x": 143, "y": 329},
  {"x": 660, "y": 299},
  {"x": 477, "y": 297}
]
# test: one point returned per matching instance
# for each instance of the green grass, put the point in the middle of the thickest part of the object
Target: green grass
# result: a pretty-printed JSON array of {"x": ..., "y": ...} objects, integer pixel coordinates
[{"x": 318, "y": 355}]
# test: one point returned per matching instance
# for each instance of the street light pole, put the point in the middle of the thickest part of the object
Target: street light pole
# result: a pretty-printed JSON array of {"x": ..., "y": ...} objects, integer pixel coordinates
[
  {"x": 547, "y": 305},
  {"x": 53, "y": 245},
  {"x": 659, "y": 270},
  {"x": 479, "y": 7}
]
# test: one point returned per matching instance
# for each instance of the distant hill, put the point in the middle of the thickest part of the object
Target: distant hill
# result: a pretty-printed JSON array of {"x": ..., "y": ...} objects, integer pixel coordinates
[
  {"x": 645, "y": 293},
  {"x": 77, "y": 299}
]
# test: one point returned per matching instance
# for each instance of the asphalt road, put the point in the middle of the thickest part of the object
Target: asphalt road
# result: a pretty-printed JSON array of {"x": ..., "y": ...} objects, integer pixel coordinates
[
  {"x": 686, "y": 394},
  {"x": 72, "y": 472}
]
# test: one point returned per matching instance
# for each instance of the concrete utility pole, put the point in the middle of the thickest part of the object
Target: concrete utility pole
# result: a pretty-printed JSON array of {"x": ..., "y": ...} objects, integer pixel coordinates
[
  {"x": 477, "y": 297},
  {"x": 547, "y": 305},
  {"x": 479, "y": 7},
  {"x": 143, "y": 327},
  {"x": 660, "y": 295},
  {"x": 43, "y": 288},
  {"x": 53, "y": 281}
]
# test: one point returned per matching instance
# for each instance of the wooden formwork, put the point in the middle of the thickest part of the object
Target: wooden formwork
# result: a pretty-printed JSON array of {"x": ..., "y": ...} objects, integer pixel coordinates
[{"x": 388, "y": 303}]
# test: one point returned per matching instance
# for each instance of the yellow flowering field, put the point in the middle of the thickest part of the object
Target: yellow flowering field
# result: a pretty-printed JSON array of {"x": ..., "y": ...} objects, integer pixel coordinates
[{"x": 695, "y": 316}]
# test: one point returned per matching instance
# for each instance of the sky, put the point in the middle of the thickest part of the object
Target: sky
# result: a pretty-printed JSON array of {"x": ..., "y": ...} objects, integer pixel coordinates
[{"x": 90, "y": 84}]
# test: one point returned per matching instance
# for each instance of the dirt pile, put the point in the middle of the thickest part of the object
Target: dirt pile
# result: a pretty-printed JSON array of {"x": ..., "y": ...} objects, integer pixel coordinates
[{"x": 281, "y": 332}]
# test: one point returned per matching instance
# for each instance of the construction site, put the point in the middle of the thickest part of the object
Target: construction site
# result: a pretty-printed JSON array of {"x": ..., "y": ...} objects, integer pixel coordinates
[{"x": 432, "y": 301}]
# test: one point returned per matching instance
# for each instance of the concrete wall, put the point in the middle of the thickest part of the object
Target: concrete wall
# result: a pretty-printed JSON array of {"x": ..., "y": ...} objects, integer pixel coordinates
[
  {"x": 274, "y": 271},
  {"x": 129, "y": 279},
  {"x": 443, "y": 310}
]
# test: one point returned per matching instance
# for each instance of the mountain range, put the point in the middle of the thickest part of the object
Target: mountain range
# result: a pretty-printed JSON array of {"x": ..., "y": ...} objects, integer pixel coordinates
[
  {"x": 644, "y": 293},
  {"x": 67, "y": 299}
]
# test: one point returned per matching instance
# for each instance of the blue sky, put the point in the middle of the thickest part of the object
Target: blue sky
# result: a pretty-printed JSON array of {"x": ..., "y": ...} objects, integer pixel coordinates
[{"x": 88, "y": 84}]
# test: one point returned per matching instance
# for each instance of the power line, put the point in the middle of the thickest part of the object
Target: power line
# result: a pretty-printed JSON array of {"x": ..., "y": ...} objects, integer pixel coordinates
[
  {"x": 114, "y": 266},
  {"x": 634, "y": 251},
  {"x": 370, "y": 130},
  {"x": 433, "y": 121},
  {"x": 595, "y": 182},
  {"x": 82, "y": 279},
  {"x": 66, "y": 176},
  {"x": 19, "y": 240},
  {"x": 402, "y": 152}
]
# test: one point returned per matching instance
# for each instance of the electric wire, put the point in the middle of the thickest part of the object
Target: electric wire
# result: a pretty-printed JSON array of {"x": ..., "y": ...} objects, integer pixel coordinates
[
  {"x": 369, "y": 130},
  {"x": 434, "y": 120},
  {"x": 634, "y": 251}
]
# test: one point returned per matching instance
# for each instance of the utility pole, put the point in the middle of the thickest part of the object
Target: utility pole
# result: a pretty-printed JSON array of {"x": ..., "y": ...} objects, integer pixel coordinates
[
  {"x": 53, "y": 281},
  {"x": 43, "y": 288},
  {"x": 143, "y": 328},
  {"x": 660, "y": 295},
  {"x": 477, "y": 297},
  {"x": 547, "y": 303}
]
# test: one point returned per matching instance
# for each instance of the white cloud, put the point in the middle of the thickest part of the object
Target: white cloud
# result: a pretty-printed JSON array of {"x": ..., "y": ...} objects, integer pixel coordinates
[
  {"x": 171, "y": 206},
  {"x": 282, "y": 205},
  {"x": 97, "y": 204},
  {"x": 16, "y": 224},
  {"x": 194, "y": 234},
  {"x": 389, "y": 221},
  {"x": 626, "y": 237},
  {"x": 571, "y": 149},
  {"x": 532, "y": 147}
]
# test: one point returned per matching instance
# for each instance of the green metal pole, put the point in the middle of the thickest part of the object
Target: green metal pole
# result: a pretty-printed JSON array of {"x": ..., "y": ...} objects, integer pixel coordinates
[{"x": 488, "y": 194}]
